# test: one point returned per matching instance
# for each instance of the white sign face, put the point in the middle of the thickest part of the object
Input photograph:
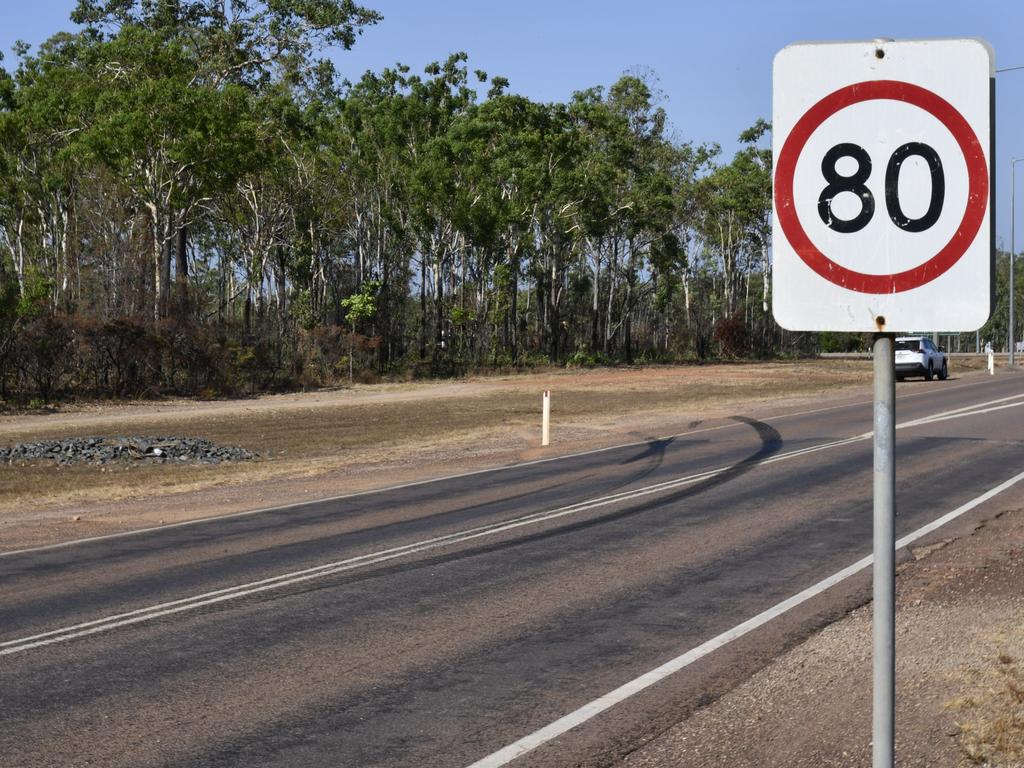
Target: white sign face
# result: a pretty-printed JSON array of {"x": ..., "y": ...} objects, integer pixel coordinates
[{"x": 882, "y": 186}]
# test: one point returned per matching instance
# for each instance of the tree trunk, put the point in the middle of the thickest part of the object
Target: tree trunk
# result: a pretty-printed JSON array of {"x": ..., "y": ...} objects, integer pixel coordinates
[
  {"x": 513, "y": 306},
  {"x": 423, "y": 307},
  {"x": 594, "y": 307},
  {"x": 553, "y": 302},
  {"x": 158, "y": 255},
  {"x": 19, "y": 262},
  {"x": 166, "y": 243},
  {"x": 627, "y": 323},
  {"x": 181, "y": 271},
  {"x": 609, "y": 326},
  {"x": 282, "y": 285},
  {"x": 439, "y": 344}
]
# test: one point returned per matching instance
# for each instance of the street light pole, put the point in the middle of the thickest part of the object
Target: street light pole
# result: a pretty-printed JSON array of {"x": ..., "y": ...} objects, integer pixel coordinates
[
  {"x": 1013, "y": 211},
  {"x": 1013, "y": 253}
]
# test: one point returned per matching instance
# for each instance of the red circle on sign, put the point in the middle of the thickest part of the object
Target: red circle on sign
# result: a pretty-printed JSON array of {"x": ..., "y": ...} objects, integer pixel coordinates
[{"x": 977, "y": 186}]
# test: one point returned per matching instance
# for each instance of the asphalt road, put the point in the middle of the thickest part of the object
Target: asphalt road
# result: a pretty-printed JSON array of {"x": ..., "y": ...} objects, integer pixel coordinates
[{"x": 437, "y": 623}]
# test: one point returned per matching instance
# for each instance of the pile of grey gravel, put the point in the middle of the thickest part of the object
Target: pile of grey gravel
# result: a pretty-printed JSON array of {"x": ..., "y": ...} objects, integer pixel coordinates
[{"x": 109, "y": 450}]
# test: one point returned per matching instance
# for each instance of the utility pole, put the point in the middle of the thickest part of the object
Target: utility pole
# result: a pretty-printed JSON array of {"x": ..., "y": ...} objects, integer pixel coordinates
[{"x": 1013, "y": 257}]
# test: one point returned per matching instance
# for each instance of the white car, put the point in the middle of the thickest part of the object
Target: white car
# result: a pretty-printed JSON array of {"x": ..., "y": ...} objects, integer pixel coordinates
[{"x": 918, "y": 356}]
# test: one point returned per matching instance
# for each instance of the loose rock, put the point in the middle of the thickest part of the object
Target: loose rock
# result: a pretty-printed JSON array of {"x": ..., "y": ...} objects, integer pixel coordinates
[{"x": 108, "y": 450}]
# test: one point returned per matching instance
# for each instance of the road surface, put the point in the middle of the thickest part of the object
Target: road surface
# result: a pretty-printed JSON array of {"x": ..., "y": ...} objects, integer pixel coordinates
[{"x": 453, "y": 622}]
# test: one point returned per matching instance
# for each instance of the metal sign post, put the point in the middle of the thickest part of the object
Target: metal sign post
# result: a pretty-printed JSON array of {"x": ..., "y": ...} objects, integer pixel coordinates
[
  {"x": 884, "y": 572},
  {"x": 883, "y": 221}
]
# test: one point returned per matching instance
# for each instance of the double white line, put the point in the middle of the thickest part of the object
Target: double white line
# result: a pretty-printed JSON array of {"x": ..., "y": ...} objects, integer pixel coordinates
[
  {"x": 362, "y": 561},
  {"x": 149, "y": 613}
]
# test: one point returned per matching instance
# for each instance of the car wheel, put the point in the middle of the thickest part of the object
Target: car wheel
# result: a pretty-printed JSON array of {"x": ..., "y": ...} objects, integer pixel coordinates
[
  {"x": 930, "y": 373},
  {"x": 944, "y": 373}
]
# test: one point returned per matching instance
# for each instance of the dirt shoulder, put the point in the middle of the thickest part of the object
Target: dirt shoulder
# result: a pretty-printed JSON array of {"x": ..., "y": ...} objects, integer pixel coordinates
[
  {"x": 960, "y": 674},
  {"x": 324, "y": 444}
]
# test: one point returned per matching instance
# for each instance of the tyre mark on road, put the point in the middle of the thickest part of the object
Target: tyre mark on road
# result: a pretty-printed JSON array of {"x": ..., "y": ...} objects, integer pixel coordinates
[
  {"x": 766, "y": 454},
  {"x": 770, "y": 443}
]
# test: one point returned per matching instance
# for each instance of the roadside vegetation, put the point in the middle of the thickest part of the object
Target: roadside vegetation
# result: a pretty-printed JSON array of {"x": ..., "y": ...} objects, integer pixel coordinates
[
  {"x": 991, "y": 716},
  {"x": 194, "y": 201}
]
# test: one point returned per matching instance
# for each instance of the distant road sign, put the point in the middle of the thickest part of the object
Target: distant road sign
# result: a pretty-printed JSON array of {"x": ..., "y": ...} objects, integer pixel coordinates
[{"x": 883, "y": 217}]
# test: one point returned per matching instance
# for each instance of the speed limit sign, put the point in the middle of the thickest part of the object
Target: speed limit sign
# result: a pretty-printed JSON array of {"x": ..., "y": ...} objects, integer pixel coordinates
[{"x": 883, "y": 189}]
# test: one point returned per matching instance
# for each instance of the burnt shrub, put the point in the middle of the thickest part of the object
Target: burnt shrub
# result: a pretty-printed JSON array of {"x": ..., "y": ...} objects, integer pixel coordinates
[
  {"x": 116, "y": 355},
  {"x": 732, "y": 336},
  {"x": 322, "y": 353},
  {"x": 211, "y": 360},
  {"x": 44, "y": 355}
]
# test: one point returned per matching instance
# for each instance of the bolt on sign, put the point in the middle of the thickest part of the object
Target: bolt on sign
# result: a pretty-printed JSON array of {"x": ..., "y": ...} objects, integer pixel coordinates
[{"x": 883, "y": 185}]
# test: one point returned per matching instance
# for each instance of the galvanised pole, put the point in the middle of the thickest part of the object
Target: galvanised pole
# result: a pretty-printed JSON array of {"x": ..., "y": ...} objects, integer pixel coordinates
[{"x": 883, "y": 725}]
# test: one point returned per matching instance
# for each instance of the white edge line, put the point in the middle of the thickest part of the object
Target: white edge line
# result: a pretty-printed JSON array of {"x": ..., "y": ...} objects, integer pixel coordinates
[
  {"x": 588, "y": 711},
  {"x": 503, "y": 468},
  {"x": 956, "y": 415}
]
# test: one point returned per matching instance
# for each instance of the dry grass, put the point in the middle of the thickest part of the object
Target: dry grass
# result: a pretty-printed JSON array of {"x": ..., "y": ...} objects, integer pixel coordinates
[
  {"x": 992, "y": 712},
  {"x": 309, "y": 435}
]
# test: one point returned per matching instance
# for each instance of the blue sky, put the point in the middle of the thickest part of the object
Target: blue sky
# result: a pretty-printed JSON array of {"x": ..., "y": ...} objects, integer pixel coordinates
[{"x": 713, "y": 59}]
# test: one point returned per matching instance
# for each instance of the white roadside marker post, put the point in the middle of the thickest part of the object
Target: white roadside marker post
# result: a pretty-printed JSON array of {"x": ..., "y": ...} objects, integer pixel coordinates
[
  {"x": 991, "y": 364},
  {"x": 545, "y": 431}
]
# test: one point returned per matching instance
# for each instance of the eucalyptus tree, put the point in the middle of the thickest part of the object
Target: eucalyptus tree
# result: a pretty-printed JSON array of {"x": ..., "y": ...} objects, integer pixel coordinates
[
  {"x": 248, "y": 41},
  {"x": 586, "y": 190},
  {"x": 172, "y": 145},
  {"x": 647, "y": 203},
  {"x": 371, "y": 141},
  {"x": 735, "y": 225},
  {"x": 477, "y": 214},
  {"x": 621, "y": 198},
  {"x": 506, "y": 141},
  {"x": 257, "y": 218},
  {"x": 754, "y": 163},
  {"x": 320, "y": 191},
  {"x": 551, "y": 154},
  {"x": 428, "y": 108},
  {"x": 46, "y": 105}
]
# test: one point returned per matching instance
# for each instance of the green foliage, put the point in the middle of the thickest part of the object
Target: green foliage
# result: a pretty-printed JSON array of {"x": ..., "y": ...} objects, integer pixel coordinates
[
  {"x": 585, "y": 359},
  {"x": 840, "y": 342},
  {"x": 189, "y": 186},
  {"x": 362, "y": 305},
  {"x": 245, "y": 40},
  {"x": 463, "y": 317},
  {"x": 302, "y": 310},
  {"x": 34, "y": 299}
]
